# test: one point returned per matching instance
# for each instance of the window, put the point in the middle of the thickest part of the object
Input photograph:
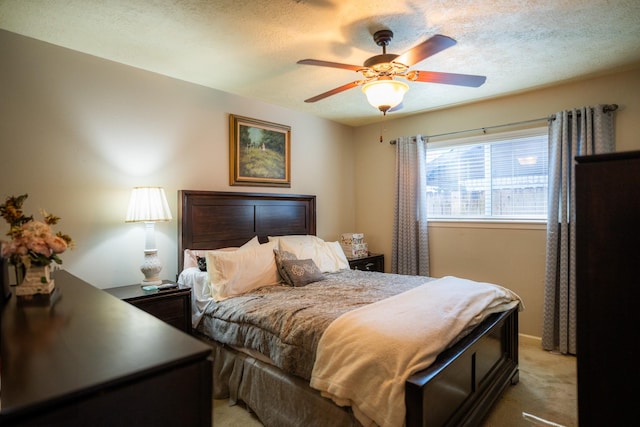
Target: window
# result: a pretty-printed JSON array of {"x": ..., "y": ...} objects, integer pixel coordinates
[{"x": 491, "y": 177}]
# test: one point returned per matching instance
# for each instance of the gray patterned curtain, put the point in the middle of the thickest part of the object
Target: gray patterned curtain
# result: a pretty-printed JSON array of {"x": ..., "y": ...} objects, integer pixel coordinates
[
  {"x": 577, "y": 132},
  {"x": 410, "y": 248}
]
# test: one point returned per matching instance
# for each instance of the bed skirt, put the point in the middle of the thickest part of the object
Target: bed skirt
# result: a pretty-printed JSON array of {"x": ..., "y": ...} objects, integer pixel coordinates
[{"x": 276, "y": 398}]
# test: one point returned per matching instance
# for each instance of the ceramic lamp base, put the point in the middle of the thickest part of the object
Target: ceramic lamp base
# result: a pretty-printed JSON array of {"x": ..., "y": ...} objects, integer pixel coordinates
[{"x": 151, "y": 268}]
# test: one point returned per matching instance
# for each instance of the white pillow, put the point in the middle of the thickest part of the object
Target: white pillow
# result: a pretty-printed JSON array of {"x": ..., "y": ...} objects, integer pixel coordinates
[
  {"x": 338, "y": 256},
  {"x": 302, "y": 249},
  {"x": 252, "y": 243},
  {"x": 328, "y": 256},
  {"x": 190, "y": 255},
  {"x": 238, "y": 272},
  {"x": 295, "y": 239}
]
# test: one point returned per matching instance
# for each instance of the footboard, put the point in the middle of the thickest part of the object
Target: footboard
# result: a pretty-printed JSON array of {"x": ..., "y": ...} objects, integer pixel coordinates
[{"x": 462, "y": 385}]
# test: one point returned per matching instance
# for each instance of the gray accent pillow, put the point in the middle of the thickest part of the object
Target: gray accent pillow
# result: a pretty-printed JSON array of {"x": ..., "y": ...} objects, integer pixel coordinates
[
  {"x": 301, "y": 272},
  {"x": 281, "y": 256}
]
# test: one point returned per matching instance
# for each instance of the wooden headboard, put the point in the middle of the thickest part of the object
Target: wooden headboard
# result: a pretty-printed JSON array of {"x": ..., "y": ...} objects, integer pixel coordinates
[{"x": 217, "y": 219}]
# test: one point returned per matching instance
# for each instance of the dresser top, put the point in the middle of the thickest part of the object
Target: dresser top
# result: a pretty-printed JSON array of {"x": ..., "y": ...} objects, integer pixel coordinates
[{"x": 87, "y": 340}]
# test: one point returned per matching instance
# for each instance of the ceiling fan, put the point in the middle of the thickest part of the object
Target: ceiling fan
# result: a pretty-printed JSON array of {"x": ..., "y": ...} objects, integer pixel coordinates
[{"x": 380, "y": 72}]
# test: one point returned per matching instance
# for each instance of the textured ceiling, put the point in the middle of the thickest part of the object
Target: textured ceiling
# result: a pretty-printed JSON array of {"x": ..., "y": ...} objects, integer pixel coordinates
[{"x": 251, "y": 48}]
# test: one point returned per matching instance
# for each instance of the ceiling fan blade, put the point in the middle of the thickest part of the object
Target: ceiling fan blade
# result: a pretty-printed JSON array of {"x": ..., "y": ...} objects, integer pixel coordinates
[
  {"x": 449, "y": 78},
  {"x": 396, "y": 108},
  {"x": 334, "y": 91},
  {"x": 427, "y": 48},
  {"x": 330, "y": 64}
]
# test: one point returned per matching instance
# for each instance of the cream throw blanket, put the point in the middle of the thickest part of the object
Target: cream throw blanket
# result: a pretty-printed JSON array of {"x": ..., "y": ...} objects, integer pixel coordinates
[{"x": 366, "y": 355}]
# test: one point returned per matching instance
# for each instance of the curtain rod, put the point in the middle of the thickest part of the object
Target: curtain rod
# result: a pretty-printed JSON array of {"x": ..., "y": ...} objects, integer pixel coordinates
[{"x": 606, "y": 108}]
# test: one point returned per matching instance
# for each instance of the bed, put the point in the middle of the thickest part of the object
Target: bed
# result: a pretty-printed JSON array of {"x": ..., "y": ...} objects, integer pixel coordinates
[{"x": 458, "y": 388}]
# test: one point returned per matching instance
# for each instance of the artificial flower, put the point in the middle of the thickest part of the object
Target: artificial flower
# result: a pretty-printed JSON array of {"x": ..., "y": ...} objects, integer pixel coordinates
[{"x": 32, "y": 242}]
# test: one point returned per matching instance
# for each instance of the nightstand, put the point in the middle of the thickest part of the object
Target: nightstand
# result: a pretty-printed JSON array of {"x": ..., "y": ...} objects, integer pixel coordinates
[
  {"x": 171, "y": 305},
  {"x": 372, "y": 262}
]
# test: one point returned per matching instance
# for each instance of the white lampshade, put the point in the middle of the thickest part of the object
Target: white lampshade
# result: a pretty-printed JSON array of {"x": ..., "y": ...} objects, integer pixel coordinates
[
  {"x": 385, "y": 94},
  {"x": 148, "y": 204}
]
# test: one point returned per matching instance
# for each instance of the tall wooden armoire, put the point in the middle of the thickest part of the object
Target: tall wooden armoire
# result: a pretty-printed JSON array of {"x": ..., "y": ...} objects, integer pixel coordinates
[{"x": 608, "y": 287}]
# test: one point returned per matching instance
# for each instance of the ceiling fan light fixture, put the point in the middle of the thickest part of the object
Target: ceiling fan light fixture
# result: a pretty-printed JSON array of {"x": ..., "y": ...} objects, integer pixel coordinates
[{"x": 385, "y": 94}]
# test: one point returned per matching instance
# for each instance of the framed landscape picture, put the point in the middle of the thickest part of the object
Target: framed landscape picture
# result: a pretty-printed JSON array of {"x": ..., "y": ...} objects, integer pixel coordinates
[{"x": 259, "y": 153}]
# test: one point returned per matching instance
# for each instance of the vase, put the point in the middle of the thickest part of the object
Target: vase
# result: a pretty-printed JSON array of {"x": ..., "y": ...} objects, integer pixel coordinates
[
  {"x": 19, "y": 270},
  {"x": 37, "y": 280}
]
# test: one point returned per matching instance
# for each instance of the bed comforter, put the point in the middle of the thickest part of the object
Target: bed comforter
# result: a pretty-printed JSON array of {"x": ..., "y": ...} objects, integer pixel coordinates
[
  {"x": 365, "y": 357},
  {"x": 285, "y": 324}
]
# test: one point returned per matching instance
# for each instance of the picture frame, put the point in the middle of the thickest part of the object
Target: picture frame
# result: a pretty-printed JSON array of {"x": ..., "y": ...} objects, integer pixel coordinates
[{"x": 259, "y": 153}]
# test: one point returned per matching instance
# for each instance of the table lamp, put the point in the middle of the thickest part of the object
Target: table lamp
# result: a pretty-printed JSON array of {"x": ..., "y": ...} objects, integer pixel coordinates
[{"x": 149, "y": 205}]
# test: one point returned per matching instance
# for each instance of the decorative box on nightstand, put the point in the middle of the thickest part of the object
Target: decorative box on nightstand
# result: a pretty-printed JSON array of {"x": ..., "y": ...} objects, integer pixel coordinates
[
  {"x": 171, "y": 305},
  {"x": 372, "y": 262}
]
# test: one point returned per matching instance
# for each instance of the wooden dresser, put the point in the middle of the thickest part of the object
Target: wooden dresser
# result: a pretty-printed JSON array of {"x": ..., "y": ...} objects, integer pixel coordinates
[
  {"x": 607, "y": 290},
  {"x": 93, "y": 359}
]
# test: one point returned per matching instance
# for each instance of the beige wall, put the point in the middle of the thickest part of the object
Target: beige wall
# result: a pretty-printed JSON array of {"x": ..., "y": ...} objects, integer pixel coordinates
[
  {"x": 510, "y": 255},
  {"x": 77, "y": 133}
]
